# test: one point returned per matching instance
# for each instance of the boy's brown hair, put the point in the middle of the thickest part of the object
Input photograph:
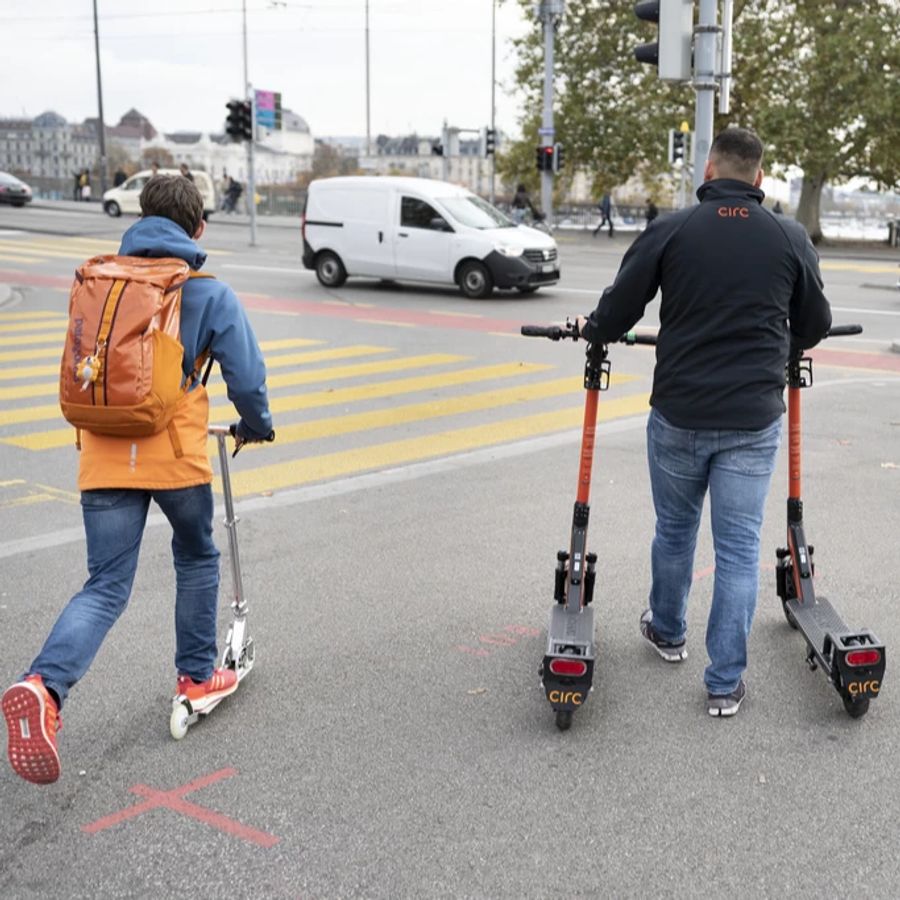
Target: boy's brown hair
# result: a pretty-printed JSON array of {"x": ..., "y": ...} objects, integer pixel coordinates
[{"x": 173, "y": 197}]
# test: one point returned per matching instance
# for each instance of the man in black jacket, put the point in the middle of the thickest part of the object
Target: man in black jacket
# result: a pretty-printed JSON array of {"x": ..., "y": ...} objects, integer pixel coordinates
[{"x": 741, "y": 289}]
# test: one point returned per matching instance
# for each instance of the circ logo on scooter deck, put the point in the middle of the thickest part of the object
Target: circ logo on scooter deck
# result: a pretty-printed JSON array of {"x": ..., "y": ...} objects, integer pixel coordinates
[
  {"x": 855, "y": 688},
  {"x": 574, "y": 697}
]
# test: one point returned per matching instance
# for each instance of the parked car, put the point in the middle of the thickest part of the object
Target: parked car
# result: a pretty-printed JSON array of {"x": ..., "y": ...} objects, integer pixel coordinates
[
  {"x": 419, "y": 229},
  {"x": 13, "y": 190},
  {"x": 126, "y": 198}
]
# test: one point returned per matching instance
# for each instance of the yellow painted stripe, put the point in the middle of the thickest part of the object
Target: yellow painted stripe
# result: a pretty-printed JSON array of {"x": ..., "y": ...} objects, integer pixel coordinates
[
  {"x": 224, "y": 413},
  {"x": 445, "y": 443},
  {"x": 832, "y": 266},
  {"x": 18, "y": 327},
  {"x": 51, "y": 337},
  {"x": 336, "y": 373},
  {"x": 334, "y": 426},
  {"x": 7, "y": 257},
  {"x": 56, "y": 350},
  {"x": 28, "y": 251},
  {"x": 35, "y": 314},
  {"x": 48, "y": 389}
]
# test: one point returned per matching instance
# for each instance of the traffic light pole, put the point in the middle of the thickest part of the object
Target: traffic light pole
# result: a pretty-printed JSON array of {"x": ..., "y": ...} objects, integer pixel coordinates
[
  {"x": 550, "y": 11},
  {"x": 251, "y": 177},
  {"x": 704, "y": 84}
]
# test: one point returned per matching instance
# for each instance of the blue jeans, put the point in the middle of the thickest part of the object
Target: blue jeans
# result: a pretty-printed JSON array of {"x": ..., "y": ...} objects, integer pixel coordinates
[
  {"x": 114, "y": 523},
  {"x": 737, "y": 467}
]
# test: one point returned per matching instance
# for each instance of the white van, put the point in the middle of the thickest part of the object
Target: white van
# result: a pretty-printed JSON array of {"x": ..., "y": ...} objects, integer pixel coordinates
[
  {"x": 418, "y": 229},
  {"x": 126, "y": 198}
]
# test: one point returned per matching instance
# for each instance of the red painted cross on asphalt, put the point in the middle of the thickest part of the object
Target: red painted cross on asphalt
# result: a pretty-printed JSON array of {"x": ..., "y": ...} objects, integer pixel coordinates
[{"x": 174, "y": 799}]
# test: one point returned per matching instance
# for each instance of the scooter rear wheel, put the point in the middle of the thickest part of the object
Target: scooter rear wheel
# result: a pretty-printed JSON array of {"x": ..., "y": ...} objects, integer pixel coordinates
[
  {"x": 856, "y": 707},
  {"x": 564, "y": 719}
]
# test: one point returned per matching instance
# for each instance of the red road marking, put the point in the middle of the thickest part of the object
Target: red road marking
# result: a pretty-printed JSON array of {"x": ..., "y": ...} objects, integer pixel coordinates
[
  {"x": 886, "y": 362},
  {"x": 174, "y": 800}
]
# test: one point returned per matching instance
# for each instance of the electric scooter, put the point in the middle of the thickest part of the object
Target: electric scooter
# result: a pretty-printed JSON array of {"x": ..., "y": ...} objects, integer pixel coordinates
[
  {"x": 853, "y": 661},
  {"x": 567, "y": 670},
  {"x": 239, "y": 653}
]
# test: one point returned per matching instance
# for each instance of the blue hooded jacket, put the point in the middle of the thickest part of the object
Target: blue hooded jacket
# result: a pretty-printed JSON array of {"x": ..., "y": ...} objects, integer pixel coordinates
[{"x": 213, "y": 319}]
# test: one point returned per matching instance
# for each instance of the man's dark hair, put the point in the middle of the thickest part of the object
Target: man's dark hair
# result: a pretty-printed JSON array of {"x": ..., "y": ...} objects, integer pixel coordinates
[
  {"x": 738, "y": 153},
  {"x": 175, "y": 198}
]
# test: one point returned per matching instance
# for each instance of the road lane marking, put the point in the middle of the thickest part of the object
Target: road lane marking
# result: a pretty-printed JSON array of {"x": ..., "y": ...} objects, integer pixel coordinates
[
  {"x": 21, "y": 327},
  {"x": 316, "y": 429},
  {"x": 34, "y": 314},
  {"x": 224, "y": 413},
  {"x": 305, "y": 470}
]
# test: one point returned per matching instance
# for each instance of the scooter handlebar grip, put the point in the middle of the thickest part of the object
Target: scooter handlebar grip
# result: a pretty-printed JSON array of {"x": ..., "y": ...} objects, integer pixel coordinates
[
  {"x": 632, "y": 337},
  {"x": 839, "y": 330},
  {"x": 554, "y": 332}
]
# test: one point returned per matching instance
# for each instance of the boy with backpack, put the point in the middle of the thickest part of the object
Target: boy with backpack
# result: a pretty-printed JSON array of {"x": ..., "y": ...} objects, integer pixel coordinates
[{"x": 142, "y": 433}]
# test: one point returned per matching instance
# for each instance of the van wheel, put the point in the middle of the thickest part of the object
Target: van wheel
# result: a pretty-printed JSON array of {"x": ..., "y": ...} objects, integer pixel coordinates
[
  {"x": 112, "y": 209},
  {"x": 475, "y": 281},
  {"x": 330, "y": 270}
]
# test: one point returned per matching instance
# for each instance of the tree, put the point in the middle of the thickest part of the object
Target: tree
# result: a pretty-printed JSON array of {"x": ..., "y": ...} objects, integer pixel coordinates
[{"x": 817, "y": 78}]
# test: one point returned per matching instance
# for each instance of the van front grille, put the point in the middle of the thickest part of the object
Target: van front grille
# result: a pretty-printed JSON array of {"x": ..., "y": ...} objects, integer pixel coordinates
[{"x": 540, "y": 256}]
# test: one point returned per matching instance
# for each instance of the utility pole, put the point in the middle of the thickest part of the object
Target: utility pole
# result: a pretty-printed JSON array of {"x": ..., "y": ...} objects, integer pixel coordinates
[
  {"x": 550, "y": 12},
  {"x": 101, "y": 130},
  {"x": 493, "y": 93},
  {"x": 251, "y": 178},
  {"x": 368, "y": 95},
  {"x": 705, "y": 42}
]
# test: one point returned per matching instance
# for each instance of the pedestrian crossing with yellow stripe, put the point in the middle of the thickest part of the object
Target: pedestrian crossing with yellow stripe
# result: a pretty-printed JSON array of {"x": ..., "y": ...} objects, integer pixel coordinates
[
  {"x": 339, "y": 410},
  {"x": 27, "y": 249}
]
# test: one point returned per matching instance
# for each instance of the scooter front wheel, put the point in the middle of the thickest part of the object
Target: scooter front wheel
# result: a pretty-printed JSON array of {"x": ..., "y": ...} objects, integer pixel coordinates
[
  {"x": 856, "y": 707},
  {"x": 178, "y": 721},
  {"x": 564, "y": 719},
  {"x": 789, "y": 616}
]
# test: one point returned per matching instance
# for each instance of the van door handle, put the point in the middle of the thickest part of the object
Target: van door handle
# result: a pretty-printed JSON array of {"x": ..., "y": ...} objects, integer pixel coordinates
[
  {"x": 380, "y": 237},
  {"x": 402, "y": 234}
]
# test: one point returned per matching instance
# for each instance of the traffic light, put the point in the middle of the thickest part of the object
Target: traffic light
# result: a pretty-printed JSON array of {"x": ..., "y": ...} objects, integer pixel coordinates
[
  {"x": 676, "y": 145},
  {"x": 437, "y": 148},
  {"x": 671, "y": 52},
  {"x": 490, "y": 141},
  {"x": 544, "y": 157},
  {"x": 239, "y": 124},
  {"x": 233, "y": 124},
  {"x": 278, "y": 118},
  {"x": 558, "y": 157}
]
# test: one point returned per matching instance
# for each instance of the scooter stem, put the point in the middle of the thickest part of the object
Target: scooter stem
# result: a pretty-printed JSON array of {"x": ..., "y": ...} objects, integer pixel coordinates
[
  {"x": 794, "y": 443},
  {"x": 588, "y": 434}
]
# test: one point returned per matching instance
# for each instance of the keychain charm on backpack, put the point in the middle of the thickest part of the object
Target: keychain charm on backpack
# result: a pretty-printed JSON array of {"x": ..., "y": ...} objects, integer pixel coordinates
[{"x": 88, "y": 370}]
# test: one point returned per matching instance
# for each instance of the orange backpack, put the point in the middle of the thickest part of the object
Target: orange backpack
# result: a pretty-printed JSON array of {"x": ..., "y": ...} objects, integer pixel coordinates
[{"x": 121, "y": 366}]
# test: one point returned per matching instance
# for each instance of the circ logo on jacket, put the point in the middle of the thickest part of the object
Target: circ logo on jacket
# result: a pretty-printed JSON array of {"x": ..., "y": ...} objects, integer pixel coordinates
[{"x": 732, "y": 212}]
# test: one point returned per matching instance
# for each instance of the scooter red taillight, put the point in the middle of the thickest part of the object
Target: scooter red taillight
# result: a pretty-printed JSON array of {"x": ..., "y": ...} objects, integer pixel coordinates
[
  {"x": 863, "y": 658},
  {"x": 570, "y": 667}
]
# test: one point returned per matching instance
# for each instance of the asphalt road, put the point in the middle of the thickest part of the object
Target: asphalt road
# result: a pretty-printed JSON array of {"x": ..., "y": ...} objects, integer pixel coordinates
[{"x": 398, "y": 542}]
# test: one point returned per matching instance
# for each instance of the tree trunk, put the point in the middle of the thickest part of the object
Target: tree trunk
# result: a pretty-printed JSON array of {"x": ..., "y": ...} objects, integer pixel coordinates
[{"x": 808, "y": 209}]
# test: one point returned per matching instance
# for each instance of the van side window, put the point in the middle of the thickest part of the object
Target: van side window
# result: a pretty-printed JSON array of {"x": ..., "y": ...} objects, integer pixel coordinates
[
  {"x": 415, "y": 213},
  {"x": 135, "y": 184}
]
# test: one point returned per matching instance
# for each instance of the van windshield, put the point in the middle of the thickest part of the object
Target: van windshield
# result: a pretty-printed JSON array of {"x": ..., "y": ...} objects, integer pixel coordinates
[{"x": 475, "y": 212}]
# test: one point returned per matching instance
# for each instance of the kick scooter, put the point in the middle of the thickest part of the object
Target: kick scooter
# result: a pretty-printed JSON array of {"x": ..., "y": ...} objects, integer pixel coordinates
[
  {"x": 239, "y": 653},
  {"x": 853, "y": 661},
  {"x": 567, "y": 669}
]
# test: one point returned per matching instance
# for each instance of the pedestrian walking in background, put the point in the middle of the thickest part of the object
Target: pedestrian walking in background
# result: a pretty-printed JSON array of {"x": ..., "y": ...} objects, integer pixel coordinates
[
  {"x": 119, "y": 178},
  {"x": 741, "y": 291},
  {"x": 650, "y": 210},
  {"x": 777, "y": 208},
  {"x": 119, "y": 476},
  {"x": 85, "y": 184},
  {"x": 521, "y": 205},
  {"x": 605, "y": 207},
  {"x": 186, "y": 172}
]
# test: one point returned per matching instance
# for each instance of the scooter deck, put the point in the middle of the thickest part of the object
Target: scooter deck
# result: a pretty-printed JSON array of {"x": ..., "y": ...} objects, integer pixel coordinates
[
  {"x": 571, "y": 633},
  {"x": 816, "y": 621}
]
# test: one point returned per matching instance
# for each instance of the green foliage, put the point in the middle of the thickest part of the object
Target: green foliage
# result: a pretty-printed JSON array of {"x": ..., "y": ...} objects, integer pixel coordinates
[{"x": 818, "y": 79}]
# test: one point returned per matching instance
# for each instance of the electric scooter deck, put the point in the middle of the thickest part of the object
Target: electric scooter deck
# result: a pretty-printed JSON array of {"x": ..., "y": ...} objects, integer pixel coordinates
[{"x": 852, "y": 660}]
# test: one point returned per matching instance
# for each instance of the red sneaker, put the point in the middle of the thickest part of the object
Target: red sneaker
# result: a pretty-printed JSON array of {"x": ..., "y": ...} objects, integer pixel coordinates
[
  {"x": 32, "y": 720},
  {"x": 203, "y": 694}
]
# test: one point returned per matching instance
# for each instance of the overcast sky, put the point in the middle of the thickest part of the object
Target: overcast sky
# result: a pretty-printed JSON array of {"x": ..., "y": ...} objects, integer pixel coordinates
[{"x": 180, "y": 63}]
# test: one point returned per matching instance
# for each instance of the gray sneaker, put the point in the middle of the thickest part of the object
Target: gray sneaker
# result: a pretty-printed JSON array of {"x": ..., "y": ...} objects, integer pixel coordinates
[
  {"x": 727, "y": 704},
  {"x": 666, "y": 649}
]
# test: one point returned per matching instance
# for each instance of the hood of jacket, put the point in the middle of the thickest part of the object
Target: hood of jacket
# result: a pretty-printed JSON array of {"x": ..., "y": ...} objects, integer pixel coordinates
[
  {"x": 158, "y": 236},
  {"x": 720, "y": 188}
]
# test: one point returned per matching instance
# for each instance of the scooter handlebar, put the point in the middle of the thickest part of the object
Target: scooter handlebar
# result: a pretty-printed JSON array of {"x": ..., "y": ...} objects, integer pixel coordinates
[
  {"x": 554, "y": 332},
  {"x": 839, "y": 330}
]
